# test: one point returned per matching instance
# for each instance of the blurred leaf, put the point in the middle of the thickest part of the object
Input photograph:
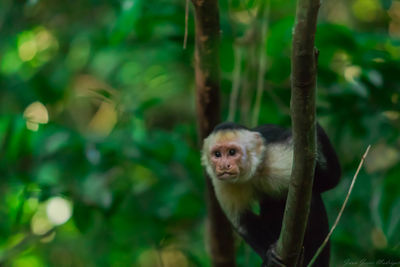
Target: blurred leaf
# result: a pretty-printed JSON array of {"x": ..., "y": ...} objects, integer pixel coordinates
[
  {"x": 130, "y": 13},
  {"x": 83, "y": 217}
]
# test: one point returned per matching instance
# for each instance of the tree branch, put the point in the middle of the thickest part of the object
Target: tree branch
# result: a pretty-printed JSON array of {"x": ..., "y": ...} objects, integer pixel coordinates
[
  {"x": 235, "y": 82},
  {"x": 186, "y": 24},
  {"x": 304, "y": 72},
  {"x": 341, "y": 209},
  {"x": 220, "y": 236},
  {"x": 264, "y": 10}
]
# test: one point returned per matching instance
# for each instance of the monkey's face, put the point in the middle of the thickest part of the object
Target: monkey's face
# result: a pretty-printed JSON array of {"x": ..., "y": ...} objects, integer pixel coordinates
[
  {"x": 232, "y": 155},
  {"x": 226, "y": 158}
]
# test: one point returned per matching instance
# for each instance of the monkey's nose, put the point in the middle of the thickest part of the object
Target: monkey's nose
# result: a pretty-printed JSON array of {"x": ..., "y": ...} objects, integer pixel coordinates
[{"x": 225, "y": 167}]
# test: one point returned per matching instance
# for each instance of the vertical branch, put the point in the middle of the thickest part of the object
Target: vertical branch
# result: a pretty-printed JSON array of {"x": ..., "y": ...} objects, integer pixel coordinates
[
  {"x": 304, "y": 72},
  {"x": 235, "y": 83},
  {"x": 247, "y": 91},
  {"x": 262, "y": 62},
  {"x": 220, "y": 236},
  {"x": 186, "y": 24}
]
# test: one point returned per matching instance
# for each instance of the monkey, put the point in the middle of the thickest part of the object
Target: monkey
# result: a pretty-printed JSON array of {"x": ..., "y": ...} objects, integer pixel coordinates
[{"x": 251, "y": 168}]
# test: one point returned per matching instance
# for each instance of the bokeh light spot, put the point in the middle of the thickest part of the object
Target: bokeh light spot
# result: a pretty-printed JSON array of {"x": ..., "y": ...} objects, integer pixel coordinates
[
  {"x": 351, "y": 73},
  {"x": 40, "y": 224},
  {"x": 58, "y": 210},
  {"x": 366, "y": 10},
  {"x": 27, "y": 50},
  {"x": 36, "y": 46},
  {"x": 35, "y": 114}
]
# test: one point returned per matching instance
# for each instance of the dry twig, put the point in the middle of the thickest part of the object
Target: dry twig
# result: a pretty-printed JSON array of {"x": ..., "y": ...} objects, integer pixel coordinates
[{"x": 341, "y": 210}]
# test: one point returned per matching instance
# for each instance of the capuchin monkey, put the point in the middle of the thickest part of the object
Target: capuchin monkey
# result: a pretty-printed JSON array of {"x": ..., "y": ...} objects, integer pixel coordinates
[{"x": 252, "y": 167}]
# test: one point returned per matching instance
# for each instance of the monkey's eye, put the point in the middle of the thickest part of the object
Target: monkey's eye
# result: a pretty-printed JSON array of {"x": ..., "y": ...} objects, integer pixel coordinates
[
  {"x": 217, "y": 154},
  {"x": 232, "y": 152}
]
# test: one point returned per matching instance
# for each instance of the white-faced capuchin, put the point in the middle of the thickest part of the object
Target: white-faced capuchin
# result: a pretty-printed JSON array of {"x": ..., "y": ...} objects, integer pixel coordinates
[{"x": 251, "y": 167}]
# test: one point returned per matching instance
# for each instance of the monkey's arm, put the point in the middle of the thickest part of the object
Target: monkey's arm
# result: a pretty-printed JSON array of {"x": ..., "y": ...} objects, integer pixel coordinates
[
  {"x": 317, "y": 230},
  {"x": 261, "y": 231},
  {"x": 255, "y": 231}
]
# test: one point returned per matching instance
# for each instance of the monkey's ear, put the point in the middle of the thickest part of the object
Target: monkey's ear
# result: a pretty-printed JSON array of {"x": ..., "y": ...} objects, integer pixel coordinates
[
  {"x": 255, "y": 148},
  {"x": 204, "y": 151},
  {"x": 258, "y": 139},
  {"x": 206, "y": 144},
  {"x": 258, "y": 136},
  {"x": 258, "y": 144}
]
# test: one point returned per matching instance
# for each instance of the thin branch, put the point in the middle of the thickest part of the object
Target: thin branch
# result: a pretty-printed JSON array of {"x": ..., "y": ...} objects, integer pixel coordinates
[
  {"x": 231, "y": 19},
  {"x": 262, "y": 63},
  {"x": 186, "y": 24},
  {"x": 341, "y": 210},
  {"x": 235, "y": 83},
  {"x": 247, "y": 93}
]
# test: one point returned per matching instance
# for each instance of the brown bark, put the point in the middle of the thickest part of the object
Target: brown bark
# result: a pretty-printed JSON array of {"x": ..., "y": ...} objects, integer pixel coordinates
[
  {"x": 220, "y": 236},
  {"x": 304, "y": 72}
]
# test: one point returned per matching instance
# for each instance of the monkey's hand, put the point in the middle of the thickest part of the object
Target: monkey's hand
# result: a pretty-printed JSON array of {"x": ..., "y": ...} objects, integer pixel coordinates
[{"x": 271, "y": 258}]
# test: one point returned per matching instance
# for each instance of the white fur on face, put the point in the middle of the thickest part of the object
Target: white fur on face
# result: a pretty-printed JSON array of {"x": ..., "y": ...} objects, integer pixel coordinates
[
  {"x": 235, "y": 195},
  {"x": 251, "y": 144}
]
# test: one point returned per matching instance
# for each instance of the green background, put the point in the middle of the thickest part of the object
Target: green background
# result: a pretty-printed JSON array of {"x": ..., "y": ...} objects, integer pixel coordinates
[{"x": 118, "y": 157}]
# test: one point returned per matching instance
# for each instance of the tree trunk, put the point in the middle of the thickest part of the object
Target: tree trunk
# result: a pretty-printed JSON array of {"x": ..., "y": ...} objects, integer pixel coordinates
[
  {"x": 304, "y": 72},
  {"x": 220, "y": 236}
]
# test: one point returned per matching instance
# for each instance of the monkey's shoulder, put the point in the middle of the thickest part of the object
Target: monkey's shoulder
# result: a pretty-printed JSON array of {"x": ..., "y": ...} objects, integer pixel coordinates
[{"x": 273, "y": 133}]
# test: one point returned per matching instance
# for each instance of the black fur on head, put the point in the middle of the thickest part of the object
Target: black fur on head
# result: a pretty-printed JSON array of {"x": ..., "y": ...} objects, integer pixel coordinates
[{"x": 228, "y": 126}]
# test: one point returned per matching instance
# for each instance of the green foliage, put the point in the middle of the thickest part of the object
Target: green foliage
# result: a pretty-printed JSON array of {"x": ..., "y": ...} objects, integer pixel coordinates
[{"x": 113, "y": 144}]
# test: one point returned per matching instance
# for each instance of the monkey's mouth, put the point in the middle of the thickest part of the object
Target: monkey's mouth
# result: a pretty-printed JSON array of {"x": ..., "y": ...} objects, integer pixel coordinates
[{"x": 226, "y": 175}]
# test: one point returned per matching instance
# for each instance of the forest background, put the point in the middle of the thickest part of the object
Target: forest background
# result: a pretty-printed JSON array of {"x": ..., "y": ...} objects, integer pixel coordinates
[{"x": 99, "y": 157}]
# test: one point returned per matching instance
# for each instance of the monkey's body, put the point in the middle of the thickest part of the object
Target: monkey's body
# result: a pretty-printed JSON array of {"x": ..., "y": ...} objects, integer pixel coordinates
[{"x": 258, "y": 173}]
